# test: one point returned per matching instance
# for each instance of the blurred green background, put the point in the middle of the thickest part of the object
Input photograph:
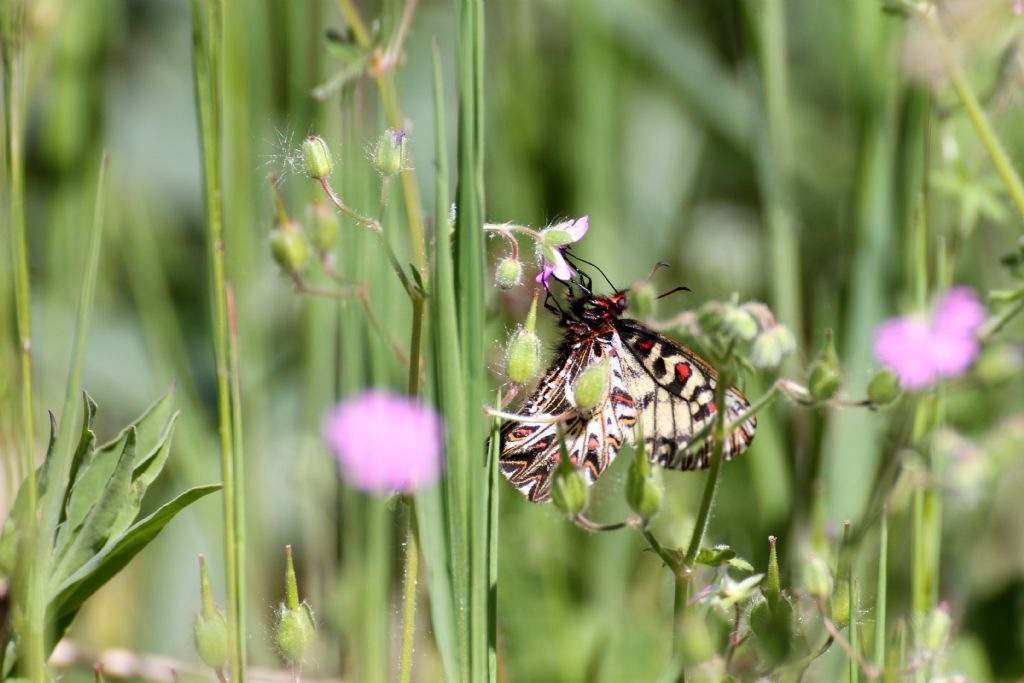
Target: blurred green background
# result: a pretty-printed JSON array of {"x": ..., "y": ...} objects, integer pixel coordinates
[{"x": 772, "y": 148}]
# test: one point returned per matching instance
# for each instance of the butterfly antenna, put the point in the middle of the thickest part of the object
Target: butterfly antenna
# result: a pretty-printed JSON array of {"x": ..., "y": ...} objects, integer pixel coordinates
[
  {"x": 681, "y": 288},
  {"x": 657, "y": 266},
  {"x": 595, "y": 266}
]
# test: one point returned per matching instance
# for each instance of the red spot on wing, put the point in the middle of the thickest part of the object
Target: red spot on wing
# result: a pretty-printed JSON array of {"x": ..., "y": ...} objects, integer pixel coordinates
[
  {"x": 645, "y": 344},
  {"x": 682, "y": 371},
  {"x": 712, "y": 407},
  {"x": 592, "y": 443}
]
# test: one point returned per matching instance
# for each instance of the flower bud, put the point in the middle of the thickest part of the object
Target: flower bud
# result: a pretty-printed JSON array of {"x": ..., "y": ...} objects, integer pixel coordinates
[
  {"x": 210, "y": 628},
  {"x": 773, "y": 626},
  {"x": 771, "y": 346},
  {"x": 317, "y": 156},
  {"x": 523, "y": 361},
  {"x": 509, "y": 273},
  {"x": 296, "y": 625},
  {"x": 841, "y": 603},
  {"x": 772, "y": 588},
  {"x": 817, "y": 579},
  {"x": 289, "y": 247},
  {"x": 709, "y": 316},
  {"x": 738, "y": 323},
  {"x": 643, "y": 301},
  {"x": 825, "y": 377},
  {"x": 555, "y": 236},
  {"x": 884, "y": 388},
  {"x": 568, "y": 490},
  {"x": 644, "y": 486},
  {"x": 322, "y": 223},
  {"x": 392, "y": 153},
  {"x": 936, "y": 627},
  {"x": 590, "y": 389}
]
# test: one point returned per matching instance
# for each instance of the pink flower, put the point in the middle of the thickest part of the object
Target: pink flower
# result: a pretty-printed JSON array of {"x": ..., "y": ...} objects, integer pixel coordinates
[
  {"x": 1018, "y": 7},
  {"x": 385, "y": 442},
  {"x": 920, "y": 351},
  {"x": 553, "y": 241}
]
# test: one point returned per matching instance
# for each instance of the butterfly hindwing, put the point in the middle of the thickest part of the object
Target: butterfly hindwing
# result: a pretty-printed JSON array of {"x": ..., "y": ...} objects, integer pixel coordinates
[
  {"x": 676, "y": 391},
  {"x": 529, "y": 450}
]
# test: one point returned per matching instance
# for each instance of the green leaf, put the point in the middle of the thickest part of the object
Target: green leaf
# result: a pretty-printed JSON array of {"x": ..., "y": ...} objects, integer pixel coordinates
[
  {"x": 9, "y": 537},
  {"x": 716, "y": 556},
  {"x": 740, "y": 564},
  {"x": 84, "y": 541},
  {"x": 94, "y": 472},
  {"x": 78, "y": 587}
]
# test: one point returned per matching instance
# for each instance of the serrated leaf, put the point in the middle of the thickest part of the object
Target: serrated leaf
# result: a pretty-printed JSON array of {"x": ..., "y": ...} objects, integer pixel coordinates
[
  {"x": 95, "y": 529},
  {"x": 77, "y": 588}
]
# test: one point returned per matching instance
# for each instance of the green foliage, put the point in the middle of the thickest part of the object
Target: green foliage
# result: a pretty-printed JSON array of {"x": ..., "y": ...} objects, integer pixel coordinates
[{"x": 99, "y": 532}]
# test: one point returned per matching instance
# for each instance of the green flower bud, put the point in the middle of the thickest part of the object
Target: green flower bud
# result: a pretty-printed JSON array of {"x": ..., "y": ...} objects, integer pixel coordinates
[
  {"x": 773, "y": 626},
  {"x": 296, "y": 625},
  {"x": 523, "y": 362},
  {"x": 643, "y": 301},
  {"x": 817, "y": 578},
  {"x": 772, "y": 586},
  {"x": 738, "y": 323},
  {"x": 826, "y": 377},
  {"x": 644, "y": 486},
  {"x": 323, "y": 226},
  {"x": 884, "y": 388},
  {"x": 509, "y": 273},
  {"x": 590, "y": 388},
  {"x": 289, "y": 247},
  {"x": 936, "y": 627},
  {"x": 771, "y": 346},
  {"x": 568, "y": 490},
  {"x": 391, "y": 155},
  {"x": 210, "y": 628},
  {"x": 317, "y": 156},
  {"x": 296, "y": 629},
  {"x": 709, "y": 316}
]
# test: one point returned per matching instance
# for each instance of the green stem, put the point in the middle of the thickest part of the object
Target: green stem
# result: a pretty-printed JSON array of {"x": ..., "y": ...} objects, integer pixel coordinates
[
  {"x": 880, "y": 591},
  {"x": 412, "y": 562},
  {"x": 207, "y": 44},
  {"x": 982, "y": 126},
  {"x": 711, "y": 485}
]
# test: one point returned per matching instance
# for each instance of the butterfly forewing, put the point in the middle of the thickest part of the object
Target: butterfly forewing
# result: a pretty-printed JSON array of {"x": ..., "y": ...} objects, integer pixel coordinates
[{"x": 652, "y": 380}]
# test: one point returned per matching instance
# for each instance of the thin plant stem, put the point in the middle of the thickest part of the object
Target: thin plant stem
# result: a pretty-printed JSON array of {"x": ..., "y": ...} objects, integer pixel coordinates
[
  {"x": 409, "y": 583},
  {"x": 880, "y": 591},
  {"x": 866, "y": 667},
  {"x": 207, "y": 21},
  {"x": 979, "y": 120}
]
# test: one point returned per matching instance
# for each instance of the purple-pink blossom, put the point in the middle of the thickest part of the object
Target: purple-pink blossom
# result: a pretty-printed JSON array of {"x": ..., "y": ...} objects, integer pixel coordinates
[
  {"x": 922, "y": 350},
  {"x": 552, "y": 241},
  {"x": 386, "y": 442}
]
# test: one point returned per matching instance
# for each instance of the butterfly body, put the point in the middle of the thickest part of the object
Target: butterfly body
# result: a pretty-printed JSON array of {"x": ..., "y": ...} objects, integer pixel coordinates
[{"x": 656, "y": 387}]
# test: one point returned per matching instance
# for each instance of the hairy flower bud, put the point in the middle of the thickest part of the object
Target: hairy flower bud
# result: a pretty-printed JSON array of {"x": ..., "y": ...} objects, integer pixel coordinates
[
  {"x": 643, "y": 300},
  {"x": 936, "y": 627},
  {"x": 523, "y": 361},
  {"x": 771, "y": 346},
  {"x": 317, "y": 157},
  {"x": 289, "y": 247},
  {"x": 509, "y": 273},
  {"x": 296, "y": 625},
  {"x": 590, "y": 388},
  {"x": 568, "y": 490},
  {"x": 826, "y": 377},
  {"x": 391, "y": 155},
  {"x": 884, "y": 388},
  {"x": 817, "y": 578},
  {"x": 738, "y": 323},
  {"x": 323, "y": 226},
  {"x": 644, "y": 486},
  {"x": 210, "y": 628}
]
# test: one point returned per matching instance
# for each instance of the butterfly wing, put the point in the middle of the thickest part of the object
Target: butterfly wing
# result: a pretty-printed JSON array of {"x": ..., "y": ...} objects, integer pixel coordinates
[
  {"x": 675, "y": 391},
  {"x": 529, "y": 450}
]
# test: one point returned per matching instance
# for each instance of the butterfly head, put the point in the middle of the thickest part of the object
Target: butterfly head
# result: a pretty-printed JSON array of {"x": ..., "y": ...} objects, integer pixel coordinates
[{"x": 595, "y": 309}]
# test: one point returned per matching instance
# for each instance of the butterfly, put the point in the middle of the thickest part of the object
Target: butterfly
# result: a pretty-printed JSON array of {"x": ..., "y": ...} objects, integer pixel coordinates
[{"x": 656, "y": 387}]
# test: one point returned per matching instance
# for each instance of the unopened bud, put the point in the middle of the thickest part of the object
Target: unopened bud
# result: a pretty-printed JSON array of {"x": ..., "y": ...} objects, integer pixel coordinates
[
  {"x": 772, "y": 588},
  {"x": 643, "y": 301},
  {"x": 568, "y": 490},
  {"x": 737, "y": 322},
  {"x": 825, "y": 377},
  {"x": 317, "y": 156},
  {"x": 771, "y": 346},
  {"x": 817, "y": 578},
  {"x": 841, "y": 603},
  {"x": 392, "y": 153},
  {"x": 289, "y": 247},
  {"x": 589, "y": 391},
  {"x": 644, "y": 486},
  {"x": 296, "y": 625},
  {"x": 509, "y": 273},
  {"x": 322, "y": 223},
  {"x": 709, "y": 316},
  {"x": 210, "y": 628},
  {"x": 884, "y": 388},
  {"x": 936, "y": 628},
  {"x": 523, "y": 362}
]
